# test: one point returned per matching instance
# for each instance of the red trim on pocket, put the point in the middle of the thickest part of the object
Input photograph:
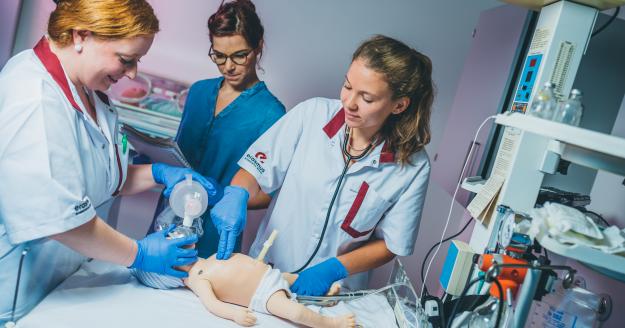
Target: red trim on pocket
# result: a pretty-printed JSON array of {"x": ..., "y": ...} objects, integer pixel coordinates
[{"x": 346, "y": 226}]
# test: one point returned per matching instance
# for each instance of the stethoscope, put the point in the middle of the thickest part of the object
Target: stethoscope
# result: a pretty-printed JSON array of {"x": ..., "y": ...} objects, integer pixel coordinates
[{"x": 348, "y": 159}]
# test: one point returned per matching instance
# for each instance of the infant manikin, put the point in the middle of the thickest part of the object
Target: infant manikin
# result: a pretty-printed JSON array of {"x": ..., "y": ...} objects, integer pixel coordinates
[
  {"x": 251, "y": 284},
  {"x": 240, "y": 280}
]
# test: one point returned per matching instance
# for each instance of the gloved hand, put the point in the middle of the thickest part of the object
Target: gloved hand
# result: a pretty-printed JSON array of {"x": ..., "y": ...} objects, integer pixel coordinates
[
  {"x": 317, "y": 279},
  {"x": 158, "y": 254},
  {"x": 229, "y": 216},
  {"x": 170, "y": 175}
]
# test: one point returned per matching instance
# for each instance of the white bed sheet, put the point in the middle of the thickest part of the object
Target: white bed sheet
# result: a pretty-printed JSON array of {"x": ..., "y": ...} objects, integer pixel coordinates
[{"x": 105, "y": 295}]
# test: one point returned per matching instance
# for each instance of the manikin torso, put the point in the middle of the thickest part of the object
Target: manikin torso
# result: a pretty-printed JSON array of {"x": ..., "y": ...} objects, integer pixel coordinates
[
  {"x": 223, "y": 284},
  {"x": 233, "y": 281}
]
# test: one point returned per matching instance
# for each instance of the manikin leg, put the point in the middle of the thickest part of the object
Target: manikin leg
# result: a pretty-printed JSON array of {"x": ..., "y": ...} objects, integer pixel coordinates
[{"x": 281, "y": 306}]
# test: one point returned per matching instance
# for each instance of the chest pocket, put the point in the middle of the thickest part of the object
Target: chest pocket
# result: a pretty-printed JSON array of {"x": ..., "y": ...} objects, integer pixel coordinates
[{"x": 365, "y": 212}]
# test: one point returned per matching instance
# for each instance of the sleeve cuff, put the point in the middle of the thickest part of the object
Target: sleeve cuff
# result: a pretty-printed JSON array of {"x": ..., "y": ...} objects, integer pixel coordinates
[
  {"x": 51, "y": 227},
  {"x": 253, "y": 170},
  {"x": 395, "y": 248}
]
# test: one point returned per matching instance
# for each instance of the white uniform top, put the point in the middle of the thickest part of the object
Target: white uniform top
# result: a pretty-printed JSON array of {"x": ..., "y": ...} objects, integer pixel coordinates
[
  {"x": 56, "y": 165},
  {"x": 301, "y": 158}
]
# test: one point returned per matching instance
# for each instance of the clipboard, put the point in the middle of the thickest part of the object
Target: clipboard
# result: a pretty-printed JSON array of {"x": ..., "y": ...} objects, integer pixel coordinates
[{"x": 160, "y": 150}]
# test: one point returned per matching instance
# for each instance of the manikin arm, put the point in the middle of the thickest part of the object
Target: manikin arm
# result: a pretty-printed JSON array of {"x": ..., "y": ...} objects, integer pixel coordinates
[{"x": 203, "y": 289}]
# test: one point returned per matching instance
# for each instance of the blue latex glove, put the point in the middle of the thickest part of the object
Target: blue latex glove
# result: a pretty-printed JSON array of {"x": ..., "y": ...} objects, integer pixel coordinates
[
  {"x": 169, "y": 176},
  {"x": 317, "y": 279},
  {"x": 229, "y": 216},
  {"x": 158, "y": 254}
]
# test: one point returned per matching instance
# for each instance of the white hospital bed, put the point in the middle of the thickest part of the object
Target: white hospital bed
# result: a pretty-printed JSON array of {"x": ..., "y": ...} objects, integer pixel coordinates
[{"x": 105, "y": 295}]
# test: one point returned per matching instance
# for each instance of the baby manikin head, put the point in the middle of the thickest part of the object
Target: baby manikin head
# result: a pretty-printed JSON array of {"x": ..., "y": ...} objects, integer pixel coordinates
[
  {"x": 161, "y": 281},
  {"x": 157, "y": 280}
]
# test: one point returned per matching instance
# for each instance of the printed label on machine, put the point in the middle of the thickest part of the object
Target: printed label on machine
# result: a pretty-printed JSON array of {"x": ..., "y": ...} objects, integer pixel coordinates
[{"x": 540, "y": 41}]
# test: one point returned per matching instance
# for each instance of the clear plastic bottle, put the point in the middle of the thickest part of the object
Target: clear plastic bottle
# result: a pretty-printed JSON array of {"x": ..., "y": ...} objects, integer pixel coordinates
[
  {"x": 168, "y": 217},
  {"x": 182, "y": 231},
  {"x": 570, "y": 111},
  {"x": 544, "y": 103},
  {"x": 485, "y": 315}
]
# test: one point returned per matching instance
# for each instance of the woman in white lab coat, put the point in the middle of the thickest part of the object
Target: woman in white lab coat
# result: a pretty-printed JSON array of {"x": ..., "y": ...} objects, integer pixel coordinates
[
  {"x": 60, "y": 156},
  {"x": 350, "y": 175}
]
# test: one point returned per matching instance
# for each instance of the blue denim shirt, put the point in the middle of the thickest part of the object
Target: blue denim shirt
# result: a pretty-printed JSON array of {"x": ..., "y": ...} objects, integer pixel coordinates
[{"x": 214, "y": 144}]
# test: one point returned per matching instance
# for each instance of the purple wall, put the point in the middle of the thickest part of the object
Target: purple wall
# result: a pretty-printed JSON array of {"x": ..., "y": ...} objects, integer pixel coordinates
[
  {"x": 9, "y": 14},
  {"x": 481, "y": 91}
]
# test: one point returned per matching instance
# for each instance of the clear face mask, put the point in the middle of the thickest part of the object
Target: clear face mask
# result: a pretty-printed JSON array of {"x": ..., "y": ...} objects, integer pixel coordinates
[{"x": 187, "y": 202}]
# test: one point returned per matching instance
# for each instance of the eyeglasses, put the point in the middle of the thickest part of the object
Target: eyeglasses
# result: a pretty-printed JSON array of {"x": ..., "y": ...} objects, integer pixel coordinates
[{"x": 239, "y": 57}]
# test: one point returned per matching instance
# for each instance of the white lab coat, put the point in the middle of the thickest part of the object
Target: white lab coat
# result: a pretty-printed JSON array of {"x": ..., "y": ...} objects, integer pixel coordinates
[
  {"x": 56, "y": 166},
  {"x": 301, "y": 159}
]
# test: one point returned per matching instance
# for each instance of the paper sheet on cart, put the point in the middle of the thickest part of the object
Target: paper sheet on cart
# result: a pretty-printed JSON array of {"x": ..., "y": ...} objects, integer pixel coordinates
[
  {"x": 104, "y": 295},
  {"x": 485, "y": 202},
  {"x": 483, "y": 205}
]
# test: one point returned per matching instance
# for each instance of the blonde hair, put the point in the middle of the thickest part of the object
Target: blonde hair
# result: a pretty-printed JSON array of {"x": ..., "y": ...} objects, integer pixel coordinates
[
  {"x": 105, "y": 19},
  {"x": 408, "y": 74}
]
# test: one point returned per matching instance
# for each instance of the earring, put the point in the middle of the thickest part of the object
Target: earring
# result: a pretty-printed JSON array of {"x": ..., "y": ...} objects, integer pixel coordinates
[{"x": 78, "y": 47}]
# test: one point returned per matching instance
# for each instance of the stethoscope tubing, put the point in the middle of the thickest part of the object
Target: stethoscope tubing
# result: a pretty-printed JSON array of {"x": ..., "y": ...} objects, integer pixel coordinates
[{"x": 349, "y": 158}]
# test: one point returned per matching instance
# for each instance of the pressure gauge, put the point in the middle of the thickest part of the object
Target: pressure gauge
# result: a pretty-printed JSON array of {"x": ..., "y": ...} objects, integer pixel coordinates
[{"x": 506, "y": 230}]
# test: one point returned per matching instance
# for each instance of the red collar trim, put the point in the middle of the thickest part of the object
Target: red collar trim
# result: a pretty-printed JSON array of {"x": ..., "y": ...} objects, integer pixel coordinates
[
  {"x": 386, "y": 156},
  {"x": 335, "y": 124},
  {"x": 52, "y": 64}
]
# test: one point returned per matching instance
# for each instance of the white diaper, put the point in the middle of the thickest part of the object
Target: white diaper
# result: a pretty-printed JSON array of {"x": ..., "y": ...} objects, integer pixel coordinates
[{"x": 271, "y": 282}]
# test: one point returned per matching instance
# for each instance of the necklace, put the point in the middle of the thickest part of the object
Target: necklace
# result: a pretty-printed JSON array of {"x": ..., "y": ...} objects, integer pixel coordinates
[
  {"x": 348, "y": 131},
  {"x": 354, "y": 148}
]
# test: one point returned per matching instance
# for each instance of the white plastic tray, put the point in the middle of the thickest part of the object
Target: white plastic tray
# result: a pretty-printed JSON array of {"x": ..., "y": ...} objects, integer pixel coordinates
[
  {"x": 158, "y": 124},
  {"x": 608, "y": 264}
]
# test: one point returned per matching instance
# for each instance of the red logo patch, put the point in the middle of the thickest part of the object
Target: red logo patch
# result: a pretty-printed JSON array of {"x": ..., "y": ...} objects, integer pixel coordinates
[{"x": 261, "y": 157}]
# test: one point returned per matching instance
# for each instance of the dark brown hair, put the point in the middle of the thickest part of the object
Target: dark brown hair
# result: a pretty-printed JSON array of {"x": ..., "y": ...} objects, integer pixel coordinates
[
  {"x": 408, "y": 74},
  {"x": 237, "y": 17}
]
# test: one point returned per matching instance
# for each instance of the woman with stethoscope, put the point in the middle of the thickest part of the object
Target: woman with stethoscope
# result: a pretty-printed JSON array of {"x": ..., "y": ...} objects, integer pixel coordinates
[
  {"x": 60, "y": 157},
  {"x": 350, "y": 175}
]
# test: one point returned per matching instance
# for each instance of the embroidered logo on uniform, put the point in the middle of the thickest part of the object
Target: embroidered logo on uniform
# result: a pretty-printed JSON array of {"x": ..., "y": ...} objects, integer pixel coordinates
[
  {"x": 82, "y": 207},
  {"x": 261, "y": 157},
  {"x": 255, "y": 162}
]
